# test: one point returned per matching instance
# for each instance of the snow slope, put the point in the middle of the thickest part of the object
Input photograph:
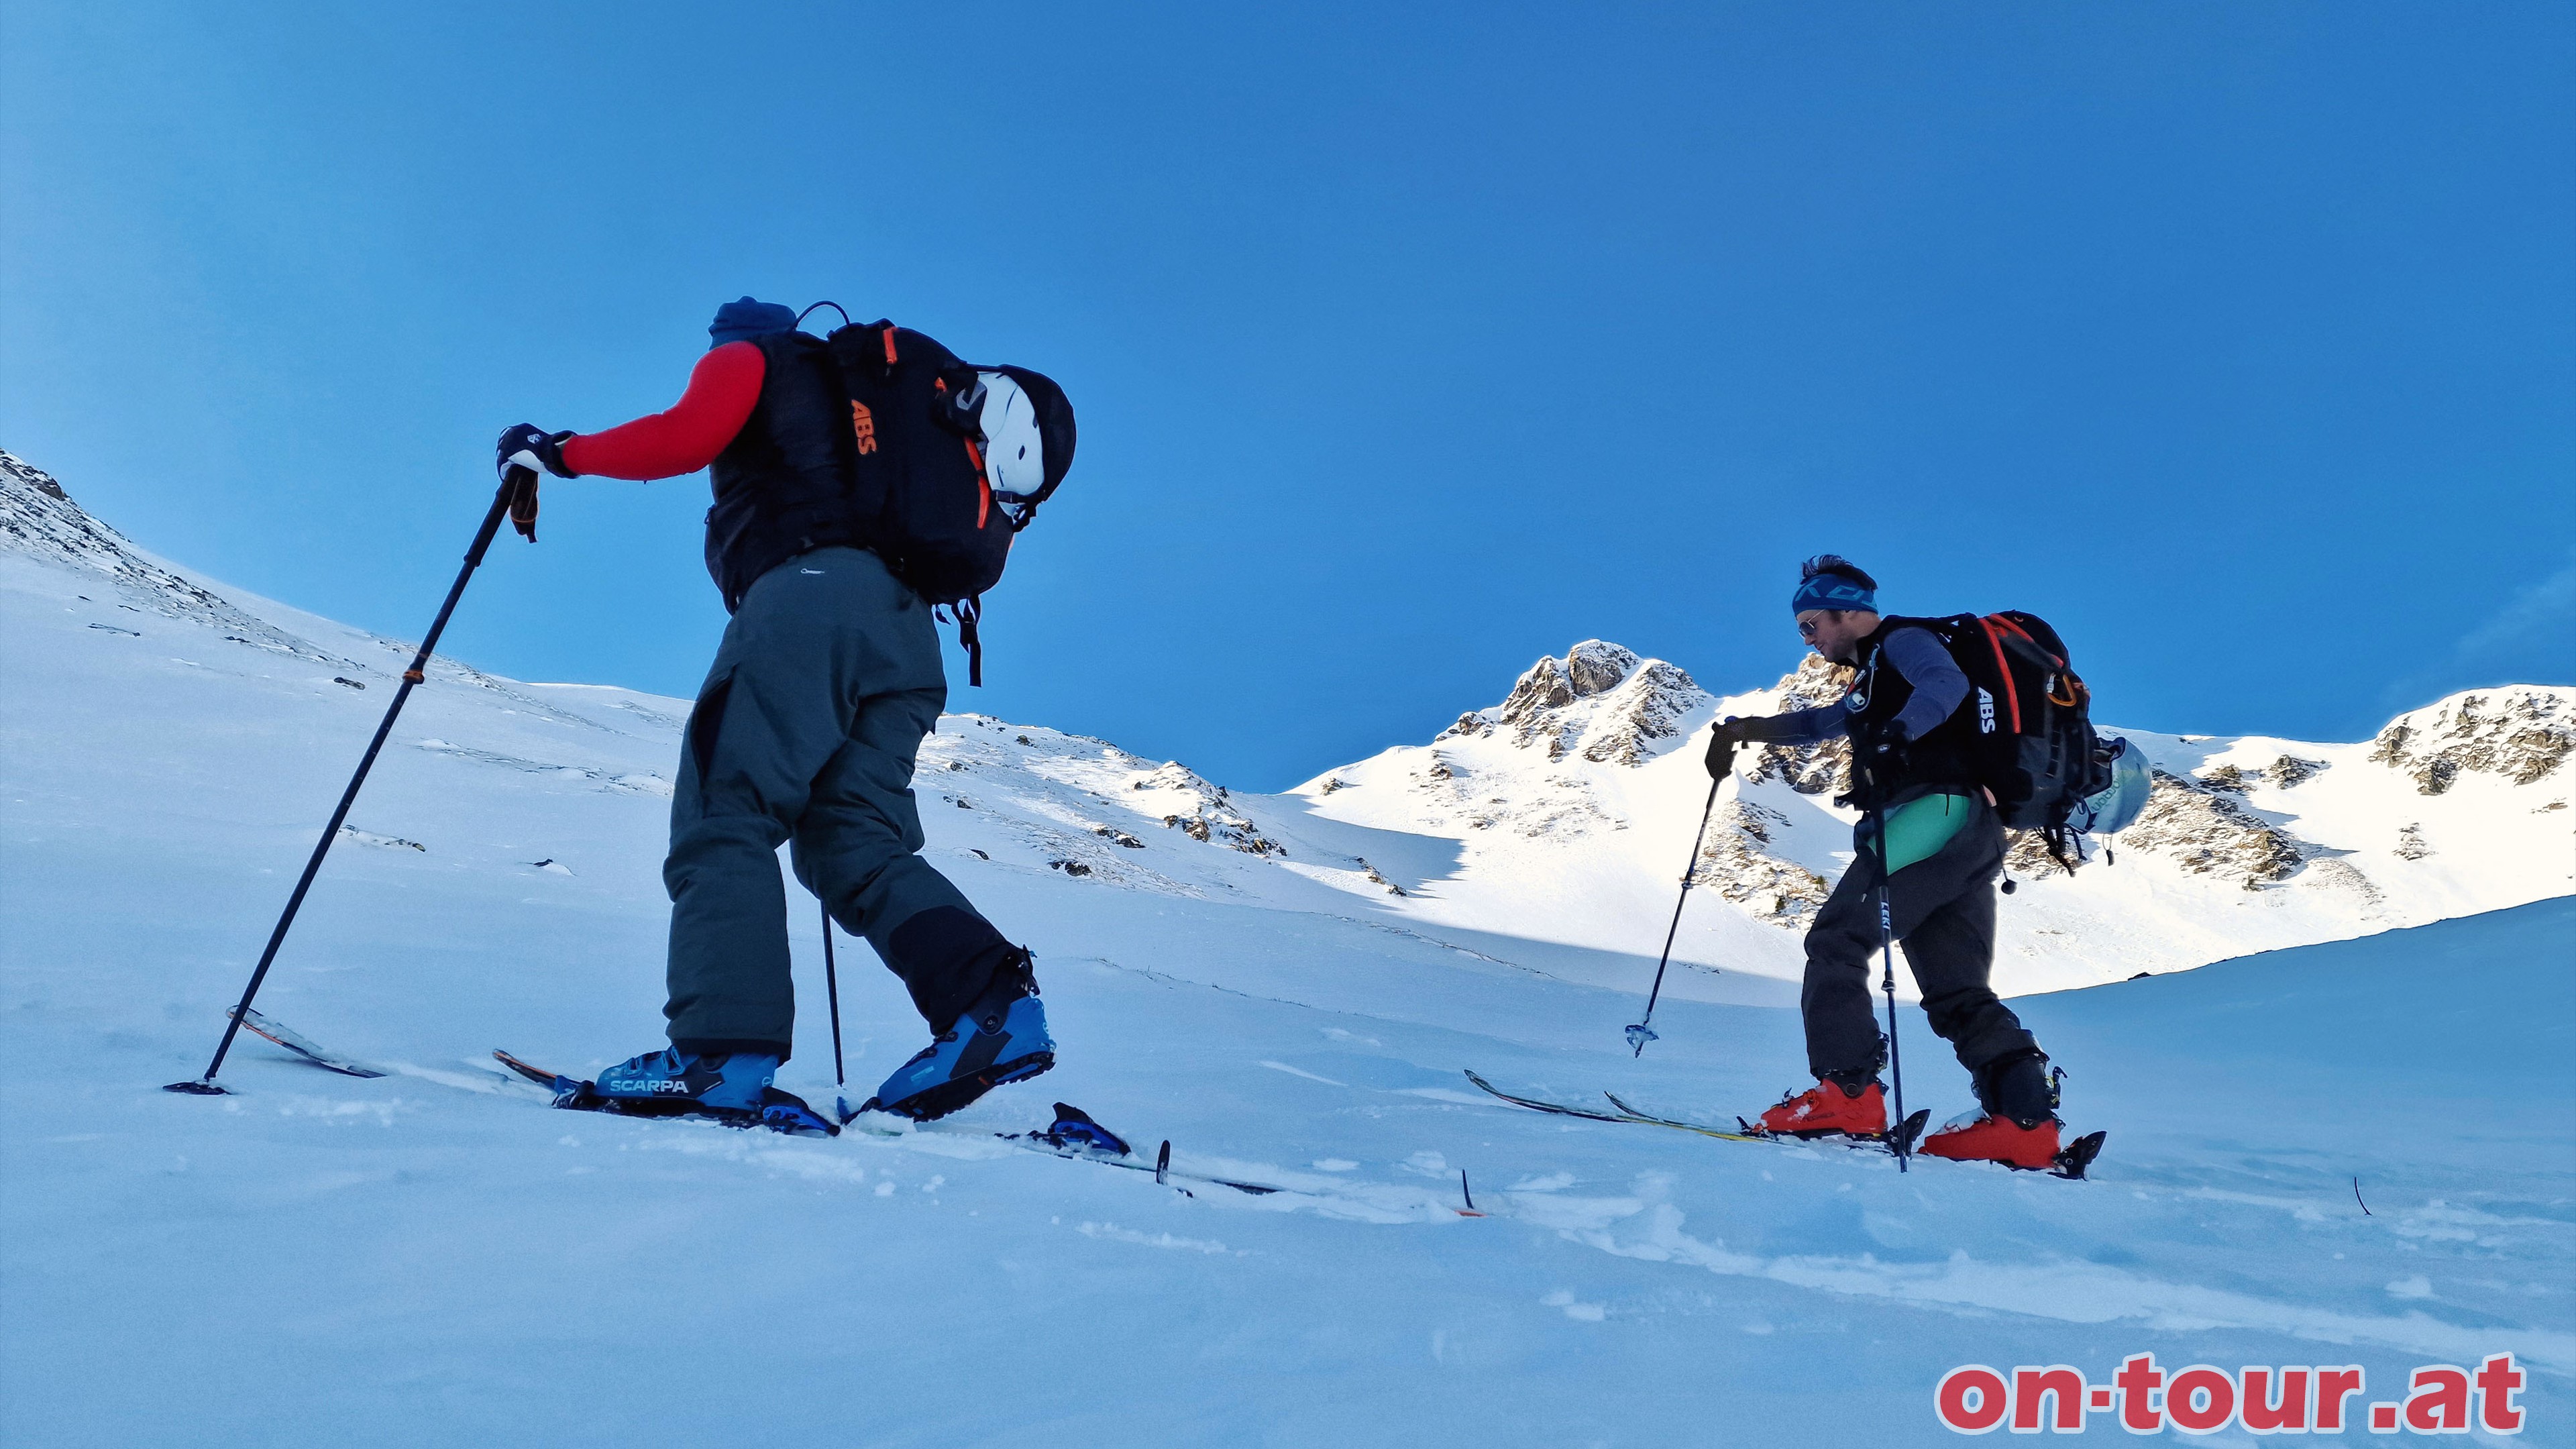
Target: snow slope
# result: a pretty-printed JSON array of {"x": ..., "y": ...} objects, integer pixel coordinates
[{"x": 436, "y": 1258}]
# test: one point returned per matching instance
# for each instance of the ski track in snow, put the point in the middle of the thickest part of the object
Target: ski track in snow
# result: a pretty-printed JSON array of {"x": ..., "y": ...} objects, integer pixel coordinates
[{"x": 435, "y": 1256}]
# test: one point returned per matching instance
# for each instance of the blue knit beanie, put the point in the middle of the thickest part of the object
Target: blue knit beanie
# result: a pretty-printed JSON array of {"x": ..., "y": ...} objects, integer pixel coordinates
[
  {"x": 748, "y": 318},
  {"x": 1832, "y": 591}
]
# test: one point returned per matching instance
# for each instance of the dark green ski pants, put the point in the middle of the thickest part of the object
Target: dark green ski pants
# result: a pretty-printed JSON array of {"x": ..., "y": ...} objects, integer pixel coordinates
[
  {"x": 1947, "y": 850},
  {"x": 805, "y": 732}
]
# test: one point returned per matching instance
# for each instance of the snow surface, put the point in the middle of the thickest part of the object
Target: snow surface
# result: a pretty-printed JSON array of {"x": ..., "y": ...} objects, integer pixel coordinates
[{"x": 436, "y": 1258}]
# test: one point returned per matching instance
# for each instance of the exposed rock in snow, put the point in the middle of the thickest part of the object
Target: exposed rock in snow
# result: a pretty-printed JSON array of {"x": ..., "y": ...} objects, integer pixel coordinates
[
  {"x": 2522, "y": 732},
  {"x": 1780, "y": 892},
  {"x": 1201, "y": 811},
  {"x": 1808, "y": 769},
  {"x": 1817, "y": 680},
  {"x": 1374, "y": 876},
  {"x": 2289, "y": 771},
  {"x": 1648, "y": 705},
  {"x": 2207, "y": 834},
  {"x": 1600, "y": 697},
  {"x": 2229, "y": 778},
  {"x": 39, "y": 519}
]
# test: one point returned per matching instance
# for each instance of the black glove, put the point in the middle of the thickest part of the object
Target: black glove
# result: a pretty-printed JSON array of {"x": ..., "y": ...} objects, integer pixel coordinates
[
  {"x": 528, "y": 446},
  {"x": 1723, "y": 737},
  {"x": 1883, "y": 749}
]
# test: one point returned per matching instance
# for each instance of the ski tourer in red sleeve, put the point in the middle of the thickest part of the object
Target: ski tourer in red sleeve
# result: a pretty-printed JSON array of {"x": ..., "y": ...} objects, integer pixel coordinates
[{"x": 805, "y": 733}]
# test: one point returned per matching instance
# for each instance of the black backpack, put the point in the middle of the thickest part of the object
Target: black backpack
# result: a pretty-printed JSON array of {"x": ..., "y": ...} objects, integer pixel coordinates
[
  {"x": 922, "y": 476},
  {"x": 2027, "y": 727}
]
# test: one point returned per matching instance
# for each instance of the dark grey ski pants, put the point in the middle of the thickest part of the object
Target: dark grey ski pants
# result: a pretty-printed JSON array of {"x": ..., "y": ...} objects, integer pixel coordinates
[
  {"x": 1943, "y": 907},
  {"x": 805, "y": 732}
]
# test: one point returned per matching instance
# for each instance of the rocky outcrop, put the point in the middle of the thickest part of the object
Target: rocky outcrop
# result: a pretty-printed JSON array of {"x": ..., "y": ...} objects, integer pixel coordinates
[
  {"x": 1376, "y": 878},
  {"x": 2286, "y": 772},
  {"x": 1600, "y": 699},
  {"x": 1817, "y": 680},
  {"x": 1648, "y": 705},
  {"x": 1534, "y": 712},
  {"x": 1202, "y": 811},
  {"x": 2289, "y": 772},
  {"x": 2230, "y": 778},
  {"x": 2522, "y": 732},
  {"x": 2207, "y": 833},
  {"x": 1809, "y": 769},
  {"x": 1732, "y": 862}
]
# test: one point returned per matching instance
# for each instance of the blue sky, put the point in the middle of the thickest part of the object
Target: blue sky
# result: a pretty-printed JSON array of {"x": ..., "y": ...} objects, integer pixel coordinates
[{"x": 1409, "y": 343}]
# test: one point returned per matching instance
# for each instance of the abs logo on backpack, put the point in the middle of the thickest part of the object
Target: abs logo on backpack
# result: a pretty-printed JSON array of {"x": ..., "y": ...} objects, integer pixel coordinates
[
  {"x": 863, "y": 426},
  {"x": 1985, "y": 712}
]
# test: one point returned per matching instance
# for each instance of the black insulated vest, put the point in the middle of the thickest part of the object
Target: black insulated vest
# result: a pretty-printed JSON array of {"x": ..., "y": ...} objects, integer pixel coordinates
[{"x": 784, "y": 485}]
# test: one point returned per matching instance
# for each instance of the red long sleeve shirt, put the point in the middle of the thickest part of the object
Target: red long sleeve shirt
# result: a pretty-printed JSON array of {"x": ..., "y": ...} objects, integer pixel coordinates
[{"x": 723, "y": 389}]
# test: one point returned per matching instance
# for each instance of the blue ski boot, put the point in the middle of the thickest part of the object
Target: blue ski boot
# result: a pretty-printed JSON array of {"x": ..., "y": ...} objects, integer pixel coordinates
[
  {"x": 1001, "y": 1038},
  {"x": 731, "y": 1087},
  {"x": 671, "y": 1081}
]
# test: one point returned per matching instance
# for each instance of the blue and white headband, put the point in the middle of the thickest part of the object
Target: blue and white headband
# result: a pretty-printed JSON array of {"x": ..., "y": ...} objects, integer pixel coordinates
[{"x": 1832, "y": 591}]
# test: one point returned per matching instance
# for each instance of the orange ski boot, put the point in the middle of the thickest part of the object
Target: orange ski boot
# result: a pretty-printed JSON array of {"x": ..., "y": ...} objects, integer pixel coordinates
[
  {"x": 1828, "y": 1107},
  {"x": 2016, "y": 1124},
  {"x": 1976, "y": 1137}
]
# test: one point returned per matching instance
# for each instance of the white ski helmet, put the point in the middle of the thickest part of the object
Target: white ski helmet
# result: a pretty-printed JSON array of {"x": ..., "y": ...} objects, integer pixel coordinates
[{"x": 1014, "y": 449}]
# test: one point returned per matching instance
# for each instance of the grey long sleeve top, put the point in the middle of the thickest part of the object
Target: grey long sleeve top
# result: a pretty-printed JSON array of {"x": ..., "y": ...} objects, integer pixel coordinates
[{"x": 1917, "y": 655}]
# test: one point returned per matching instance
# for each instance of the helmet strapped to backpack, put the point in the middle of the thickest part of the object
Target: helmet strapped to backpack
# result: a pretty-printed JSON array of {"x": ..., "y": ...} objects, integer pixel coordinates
[
  {"x": 1005, "y": 415},
  {"x": 952, "y": 462}
]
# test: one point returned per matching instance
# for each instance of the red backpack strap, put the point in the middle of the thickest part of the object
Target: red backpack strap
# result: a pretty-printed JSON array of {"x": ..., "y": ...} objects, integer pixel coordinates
[{"x": 2003, "y": 667}]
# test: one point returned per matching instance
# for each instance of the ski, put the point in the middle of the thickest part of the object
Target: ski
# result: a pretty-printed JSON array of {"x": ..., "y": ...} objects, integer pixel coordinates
[
  {"x": 1562, "y": 1110},
  {"x": 1910, "y": 1127},
  {"x": 1897, "y": 1143},
  {"x": 1162, "y": 1168},
  {"x": 1076, "y": 1138},
  {"x": 779, "y": 1111},
  {"x": 279, "y": 1033}
]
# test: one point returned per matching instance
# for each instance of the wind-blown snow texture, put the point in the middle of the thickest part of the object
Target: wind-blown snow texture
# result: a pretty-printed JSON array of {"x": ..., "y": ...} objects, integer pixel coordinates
[{"x": 1285, "y": 986}]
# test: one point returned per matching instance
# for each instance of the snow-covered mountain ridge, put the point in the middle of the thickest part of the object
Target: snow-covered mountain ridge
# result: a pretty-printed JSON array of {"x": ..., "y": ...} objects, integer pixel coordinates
[
  {"x": 1585, "y": 783},
  {"x": 1545, "y": 831}
]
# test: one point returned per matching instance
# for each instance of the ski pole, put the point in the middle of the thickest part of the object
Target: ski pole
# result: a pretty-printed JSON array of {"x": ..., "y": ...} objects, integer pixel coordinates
[
  {"x": 1641, "y": 1033},
  {"x": 832, "y": 990},
  {"x": 511, "y": 485},
  {"x": 1887, "y": 980}
]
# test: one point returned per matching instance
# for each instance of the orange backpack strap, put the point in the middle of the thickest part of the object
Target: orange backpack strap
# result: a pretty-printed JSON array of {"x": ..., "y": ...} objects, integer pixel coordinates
[{"x": 1994, "y": 641}]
